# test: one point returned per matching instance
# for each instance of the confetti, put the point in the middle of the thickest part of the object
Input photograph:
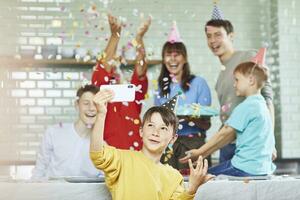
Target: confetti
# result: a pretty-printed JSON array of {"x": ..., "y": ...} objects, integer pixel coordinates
[
  {"x": 115, "y": 109},
  {"x": 136, "y": 121},
  {"x": 225, "y": 107},
  {"x": 134, "y": 42},
  {"x": 130, "y": 133},
  {"x": 102, "y": 66},
  {"x": 180, "y": 127},
  {"x": 127, "y": 118},
  {"x": 224, "y": 118},
  {"x": 139, "y": 102},
  {"x": 135, "y": 12},
  {"x": 141, "y": 62},
  {"x": 136, "y": 144},
  {"x": 138, "y": 88},
  {"x": 146, "y": 96},
  {"x": 191, "y": 124},
  {"x": 106, "y": 79}
]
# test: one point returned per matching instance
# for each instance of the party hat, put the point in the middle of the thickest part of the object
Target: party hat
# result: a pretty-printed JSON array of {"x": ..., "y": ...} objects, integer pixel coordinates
[
  {"x": 171, "y": 103},
  {"x": 174, "y": 35},
  {"x": 260, "y": 57},
  {"x": 217, "y": 13}
]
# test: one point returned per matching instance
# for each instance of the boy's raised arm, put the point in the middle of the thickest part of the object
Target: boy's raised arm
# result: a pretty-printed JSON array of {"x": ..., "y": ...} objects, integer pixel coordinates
[{"x": 100, "y": 99}]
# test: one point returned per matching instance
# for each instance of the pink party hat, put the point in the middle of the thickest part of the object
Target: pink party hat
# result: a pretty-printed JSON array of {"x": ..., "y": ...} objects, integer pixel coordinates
[
  {"x": 260, "y": 57},
  {"x": 174, "y": 34}
]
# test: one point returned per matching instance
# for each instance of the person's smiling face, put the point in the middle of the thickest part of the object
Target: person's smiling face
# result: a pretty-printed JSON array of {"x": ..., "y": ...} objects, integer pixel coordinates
[
  {"x": 156, "y": 134},
  {"x": 218, "y": 40},
  {"x": 174, "y": 62},
  {"x": 87, "y": 109}
]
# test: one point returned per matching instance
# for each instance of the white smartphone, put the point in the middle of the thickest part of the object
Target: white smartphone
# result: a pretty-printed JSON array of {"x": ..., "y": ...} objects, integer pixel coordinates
[{"x": 123, "y": 92}]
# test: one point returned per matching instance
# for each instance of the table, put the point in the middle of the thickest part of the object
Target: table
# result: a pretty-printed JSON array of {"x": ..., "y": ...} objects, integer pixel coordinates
[{"x": 277, "y": 189}]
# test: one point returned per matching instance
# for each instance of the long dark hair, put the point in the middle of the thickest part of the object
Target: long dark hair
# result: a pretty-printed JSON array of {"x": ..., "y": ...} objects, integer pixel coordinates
[{"x": 187, "y": 77}]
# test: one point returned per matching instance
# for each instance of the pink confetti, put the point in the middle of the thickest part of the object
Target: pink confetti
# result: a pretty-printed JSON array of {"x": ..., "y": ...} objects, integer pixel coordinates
[
  {"x": 130, "y": 133},
  {"x": 225, "y": 107}
]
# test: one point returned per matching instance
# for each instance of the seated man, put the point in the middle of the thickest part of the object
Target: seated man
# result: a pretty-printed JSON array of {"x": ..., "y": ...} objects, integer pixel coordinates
[{"x": 64, "y": 150}]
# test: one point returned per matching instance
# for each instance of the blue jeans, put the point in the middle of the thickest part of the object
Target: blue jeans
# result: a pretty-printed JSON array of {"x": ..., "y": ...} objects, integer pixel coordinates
[
  {"x": 227, "y": 168},
  {"x": 226, "y": 153}
]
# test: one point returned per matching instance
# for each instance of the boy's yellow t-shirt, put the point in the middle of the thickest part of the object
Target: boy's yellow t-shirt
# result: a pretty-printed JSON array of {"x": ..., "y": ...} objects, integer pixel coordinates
[{"x": 130, "y": 175}]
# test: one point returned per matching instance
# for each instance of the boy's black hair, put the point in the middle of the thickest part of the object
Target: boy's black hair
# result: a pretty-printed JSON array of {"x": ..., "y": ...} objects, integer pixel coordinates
[
  {"x": 87, "y": 88},
  {"x": 167, "y": 116},
  {"x": 226, "y": 24}
]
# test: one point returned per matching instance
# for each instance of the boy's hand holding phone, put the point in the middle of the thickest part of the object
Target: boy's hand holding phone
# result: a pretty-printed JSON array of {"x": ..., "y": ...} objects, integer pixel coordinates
[{"x": 101, "y": 99}]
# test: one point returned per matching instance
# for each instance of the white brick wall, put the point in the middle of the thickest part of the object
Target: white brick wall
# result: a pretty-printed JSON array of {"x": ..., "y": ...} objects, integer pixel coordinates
[
  {"x": 289, "y": 19},
  {"x": 31, "y": 103}
]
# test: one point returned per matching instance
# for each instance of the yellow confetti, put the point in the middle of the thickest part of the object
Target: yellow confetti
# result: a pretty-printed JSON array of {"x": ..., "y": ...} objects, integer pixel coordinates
[
  {"x": 141, "y": 62},
  {"x": 147, "y": 96},
  {"x": 136, "y": 121},
  {"x": 134, "y": 42},
  {"x": 75, "y": 24}
]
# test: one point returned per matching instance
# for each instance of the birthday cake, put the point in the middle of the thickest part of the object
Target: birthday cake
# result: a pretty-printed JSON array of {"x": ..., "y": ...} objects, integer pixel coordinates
[{"x": 196, "y": 110}]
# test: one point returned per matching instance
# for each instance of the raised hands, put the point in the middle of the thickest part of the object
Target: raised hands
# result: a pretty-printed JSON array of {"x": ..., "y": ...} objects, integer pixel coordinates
[
  {"x": 143, "y": 28},
  {"x": 141, "y": 65},
  {"x": 115, "y": 26},
  {"x": 198, "y": 174},
  {"x": 100, "y": 99}
]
